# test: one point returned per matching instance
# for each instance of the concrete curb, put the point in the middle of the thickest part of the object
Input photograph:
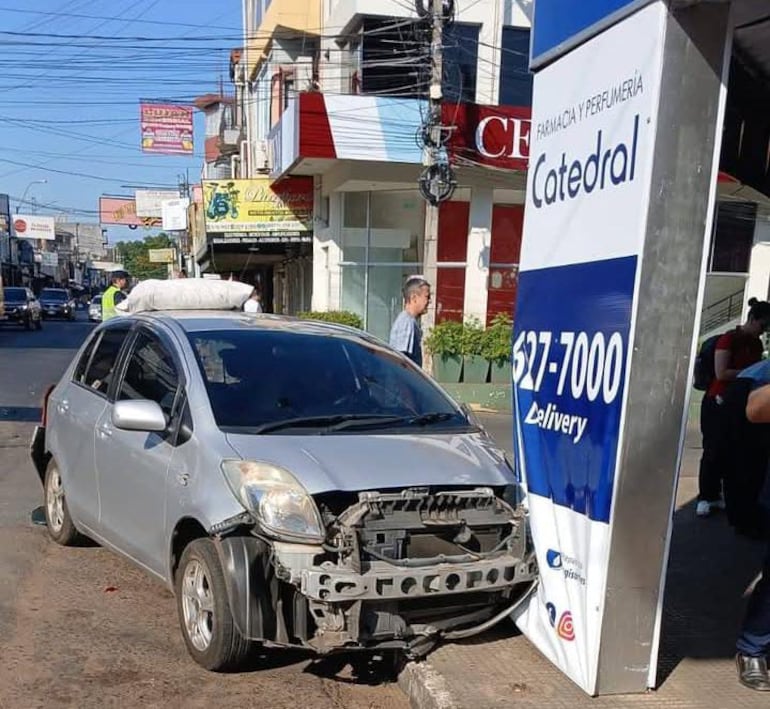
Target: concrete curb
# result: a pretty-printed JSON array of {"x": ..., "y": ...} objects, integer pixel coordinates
[{"x": 425, "y": 687}]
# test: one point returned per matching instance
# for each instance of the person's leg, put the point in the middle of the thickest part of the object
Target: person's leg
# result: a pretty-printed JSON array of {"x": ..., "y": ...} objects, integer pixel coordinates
[
  {"x": 710, "y": 475},
  {"x": 754, "y": 641}
]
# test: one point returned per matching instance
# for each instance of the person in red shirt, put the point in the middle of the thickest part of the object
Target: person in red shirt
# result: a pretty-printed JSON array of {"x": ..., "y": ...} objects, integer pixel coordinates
[{"x": 735, "y": 351}]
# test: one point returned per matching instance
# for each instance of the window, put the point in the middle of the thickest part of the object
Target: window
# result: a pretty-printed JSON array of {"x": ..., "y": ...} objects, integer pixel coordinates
[
  {"x": 461, "y": 52},
  {"x": 393, "y": 59},
  {"x": 150, "y": 374},
  {"x": 101, "y": 368},
  {"x": 515, "y": 79},
  {"x": 733, "y": 237},
  {"x": 381, "y": 246},
  {"x": 258, "y": 377},
  {"x": 80, "y": 370}
]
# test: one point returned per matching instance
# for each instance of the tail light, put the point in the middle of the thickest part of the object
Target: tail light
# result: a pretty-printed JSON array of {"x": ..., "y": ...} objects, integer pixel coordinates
[{"x": 44, "y": 415}]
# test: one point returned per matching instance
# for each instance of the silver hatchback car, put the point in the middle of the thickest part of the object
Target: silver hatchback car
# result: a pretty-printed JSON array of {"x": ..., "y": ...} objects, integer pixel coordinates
[{"x": 294, "y": 483}]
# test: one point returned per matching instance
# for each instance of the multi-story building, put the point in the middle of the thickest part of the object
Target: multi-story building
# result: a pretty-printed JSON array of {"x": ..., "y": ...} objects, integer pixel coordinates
[{"x": 331, "y": 104}]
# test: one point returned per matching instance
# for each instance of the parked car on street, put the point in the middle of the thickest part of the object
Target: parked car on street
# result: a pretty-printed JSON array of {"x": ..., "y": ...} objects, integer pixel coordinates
[
  {"x": 22, "y": 307},
  {"x": 294, "y": 483},
  {"x": 95, "y": 309},
  {"x": 57, "y": 303}
]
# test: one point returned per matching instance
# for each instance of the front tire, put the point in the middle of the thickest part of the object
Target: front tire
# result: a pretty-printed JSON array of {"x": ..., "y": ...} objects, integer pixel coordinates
[
  {"x": 57, "y": 514},
  {"x": 208, "y": 628},
  {"x": 28, "y": 323},
  {"x": 39, "y": 324}
]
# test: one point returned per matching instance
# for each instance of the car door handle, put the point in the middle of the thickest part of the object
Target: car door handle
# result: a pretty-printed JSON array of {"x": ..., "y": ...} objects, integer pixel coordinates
[
  {"x": 63, "y": 407},
  {"x": 105, "y": 431}
]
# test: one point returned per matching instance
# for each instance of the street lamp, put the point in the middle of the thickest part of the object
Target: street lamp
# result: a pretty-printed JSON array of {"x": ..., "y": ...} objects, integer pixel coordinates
[{"x": 26, "y": 189}]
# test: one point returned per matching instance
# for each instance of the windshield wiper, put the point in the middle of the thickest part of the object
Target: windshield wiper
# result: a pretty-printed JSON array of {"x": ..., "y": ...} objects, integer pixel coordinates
[
  {"x": 430, "y": 418},
  {"x": 328, "y": 423}
]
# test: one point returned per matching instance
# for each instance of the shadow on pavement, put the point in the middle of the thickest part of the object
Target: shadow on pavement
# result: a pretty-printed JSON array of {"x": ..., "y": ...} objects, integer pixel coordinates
[{"x": 711, "y": 570}]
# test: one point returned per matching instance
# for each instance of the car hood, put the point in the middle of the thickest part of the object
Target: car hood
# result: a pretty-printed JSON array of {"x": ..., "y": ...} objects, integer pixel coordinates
[
  {"x": 14, "y": 303},
  {"x": 356, "y": 462}
]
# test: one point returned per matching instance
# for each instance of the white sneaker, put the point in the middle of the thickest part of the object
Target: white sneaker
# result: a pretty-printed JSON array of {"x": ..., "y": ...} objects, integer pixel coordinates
[{"x": 703, "y": 509}]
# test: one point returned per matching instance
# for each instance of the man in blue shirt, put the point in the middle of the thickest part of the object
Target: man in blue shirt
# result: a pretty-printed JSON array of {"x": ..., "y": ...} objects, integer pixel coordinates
[
  {"x": 406, "y": 334},
  {"x": 754, "y": 642}
]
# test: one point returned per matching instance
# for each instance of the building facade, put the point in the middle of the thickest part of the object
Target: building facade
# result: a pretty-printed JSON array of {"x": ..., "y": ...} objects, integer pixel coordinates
[{"x": 330, "y": 103}]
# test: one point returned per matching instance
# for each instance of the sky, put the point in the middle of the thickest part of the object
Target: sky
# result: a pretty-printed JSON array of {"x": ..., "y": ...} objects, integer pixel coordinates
[{"x": 73, "y": 75}]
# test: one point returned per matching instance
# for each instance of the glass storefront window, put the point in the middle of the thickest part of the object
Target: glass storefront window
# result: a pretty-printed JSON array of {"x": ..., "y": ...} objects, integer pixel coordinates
[{"x": 381, "y": 246}]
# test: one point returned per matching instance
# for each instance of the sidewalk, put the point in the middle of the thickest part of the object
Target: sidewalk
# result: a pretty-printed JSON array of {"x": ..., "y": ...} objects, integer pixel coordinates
[{"x": 709, "y": 573}]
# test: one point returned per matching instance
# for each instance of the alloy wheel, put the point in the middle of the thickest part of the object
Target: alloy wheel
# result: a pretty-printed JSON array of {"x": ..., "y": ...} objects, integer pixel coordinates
[
  {"x": 198, "y": 605},
  {"x": 54, "y": 500}
]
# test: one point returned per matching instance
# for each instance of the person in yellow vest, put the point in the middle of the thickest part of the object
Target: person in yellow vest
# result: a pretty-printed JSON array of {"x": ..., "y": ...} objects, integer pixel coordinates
[{"x": 114, "y": 294}]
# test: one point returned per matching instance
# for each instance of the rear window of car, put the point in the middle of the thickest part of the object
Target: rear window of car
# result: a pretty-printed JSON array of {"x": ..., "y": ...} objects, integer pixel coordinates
[
  {"x": 50, "y": 294},
  {"x": 15, "y": 293},
  {"x": 96, "y": 368},
  {"x": 255, "y": 378}
]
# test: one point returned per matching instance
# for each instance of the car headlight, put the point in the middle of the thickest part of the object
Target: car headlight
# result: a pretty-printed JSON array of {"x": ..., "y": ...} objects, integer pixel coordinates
[
  {"x": 23, "y": 307},
  {"x": 282, "y": 506}
]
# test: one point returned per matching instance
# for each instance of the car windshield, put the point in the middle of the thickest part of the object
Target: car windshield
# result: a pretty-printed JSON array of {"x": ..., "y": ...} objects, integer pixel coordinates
[
  {"x": 15, "y": 293},
  {"x": 262, "y": 381},
  {"x": 96, "y": 300},
  {"x": 48, "y": 294}
]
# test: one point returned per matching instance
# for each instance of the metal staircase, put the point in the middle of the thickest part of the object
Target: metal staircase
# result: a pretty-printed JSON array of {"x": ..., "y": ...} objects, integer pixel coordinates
[{"x": 721, "y": 312}]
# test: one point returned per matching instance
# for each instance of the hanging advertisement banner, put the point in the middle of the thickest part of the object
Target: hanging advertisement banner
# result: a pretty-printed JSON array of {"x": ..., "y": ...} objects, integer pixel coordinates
[
  {"x": 121, "y": 211},
  {"x": 149, "y": 203},
  {"x": 161, "y": 255},
  {"x": 585, "y": 221},
  {"x": 33, "y": 227},
  {"x": 258, "y": 206},
  {"x": 167, "y": 129},
  {"x": 174, "y": 213}
]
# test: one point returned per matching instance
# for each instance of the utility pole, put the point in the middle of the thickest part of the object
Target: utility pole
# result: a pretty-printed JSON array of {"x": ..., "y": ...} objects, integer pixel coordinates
[{"x": 437, "y": 181}]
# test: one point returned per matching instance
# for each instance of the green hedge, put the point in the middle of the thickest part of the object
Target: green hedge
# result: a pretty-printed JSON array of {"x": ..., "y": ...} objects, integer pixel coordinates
[{"x": 339, "y": 317}]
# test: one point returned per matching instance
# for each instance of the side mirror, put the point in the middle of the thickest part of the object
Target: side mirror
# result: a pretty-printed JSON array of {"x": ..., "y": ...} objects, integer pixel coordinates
[{"x": 139, "y": 415}]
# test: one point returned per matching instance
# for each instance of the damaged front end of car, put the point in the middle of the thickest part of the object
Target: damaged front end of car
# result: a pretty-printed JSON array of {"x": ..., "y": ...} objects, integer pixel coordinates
[{"x": 395, "y": 570}]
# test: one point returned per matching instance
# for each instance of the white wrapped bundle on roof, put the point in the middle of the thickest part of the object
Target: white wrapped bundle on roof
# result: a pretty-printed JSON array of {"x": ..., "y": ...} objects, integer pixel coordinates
[{"x": 186, "y": 294}]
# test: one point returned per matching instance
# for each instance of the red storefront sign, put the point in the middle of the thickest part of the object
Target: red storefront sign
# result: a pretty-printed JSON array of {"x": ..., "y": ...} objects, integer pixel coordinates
[{"x": 495, "y": 136}]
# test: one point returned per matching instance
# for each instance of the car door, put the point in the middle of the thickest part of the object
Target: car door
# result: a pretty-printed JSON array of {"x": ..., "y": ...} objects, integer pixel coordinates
[
  {"x": 132, "y": 466},
  {"x": 75, "y": 409}
]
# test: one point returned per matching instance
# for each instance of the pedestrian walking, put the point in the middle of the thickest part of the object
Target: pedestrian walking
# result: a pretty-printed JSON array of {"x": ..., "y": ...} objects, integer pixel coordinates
[
  {"x": 115, "y": 294},
  {"x": 734, "y": 351},
  {"x": 754, "y": 641},
  {"x": 406, "y": 333}
]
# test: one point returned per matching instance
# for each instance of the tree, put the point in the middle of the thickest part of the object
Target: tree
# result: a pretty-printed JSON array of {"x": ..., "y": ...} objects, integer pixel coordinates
[{"x": 136, "y": 259}]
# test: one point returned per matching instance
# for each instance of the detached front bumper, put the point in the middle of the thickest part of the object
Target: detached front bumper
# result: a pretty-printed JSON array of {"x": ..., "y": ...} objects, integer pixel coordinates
[{"x": 378, "y": 583}]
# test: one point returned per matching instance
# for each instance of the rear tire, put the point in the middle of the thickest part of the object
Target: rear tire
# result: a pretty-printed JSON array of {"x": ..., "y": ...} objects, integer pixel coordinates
[
  {"x": 57, "y": 514},
  {"x": 208, "y": 628}
]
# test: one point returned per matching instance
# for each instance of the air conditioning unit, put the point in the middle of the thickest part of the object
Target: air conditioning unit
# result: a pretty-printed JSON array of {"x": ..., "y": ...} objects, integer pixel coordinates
[{"x": 262, "y": 161}]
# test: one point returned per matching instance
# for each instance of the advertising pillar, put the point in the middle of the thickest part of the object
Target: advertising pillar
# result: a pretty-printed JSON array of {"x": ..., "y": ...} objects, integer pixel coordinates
[{"x": 627, "y": 114}]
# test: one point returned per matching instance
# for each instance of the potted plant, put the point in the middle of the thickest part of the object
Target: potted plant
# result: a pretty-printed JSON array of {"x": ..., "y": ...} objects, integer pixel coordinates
[
  {"x": 497, "y": 348},
  {"x": 475, "y": 365},
  {"x": 444, "y": 342}
]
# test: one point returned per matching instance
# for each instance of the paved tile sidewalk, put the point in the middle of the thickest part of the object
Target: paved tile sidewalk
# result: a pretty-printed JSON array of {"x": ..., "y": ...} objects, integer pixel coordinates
[{"x": 710, "y": 572}]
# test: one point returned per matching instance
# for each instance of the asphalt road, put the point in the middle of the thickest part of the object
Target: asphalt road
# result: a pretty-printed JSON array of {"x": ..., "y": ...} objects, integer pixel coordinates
[{"x": 83, "y": 628}]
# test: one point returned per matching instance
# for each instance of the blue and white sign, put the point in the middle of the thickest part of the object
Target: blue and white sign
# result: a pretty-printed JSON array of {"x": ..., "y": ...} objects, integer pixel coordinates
[
  {"x": 584, "y": 231},
  {"x": 560, "y": 25}
]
